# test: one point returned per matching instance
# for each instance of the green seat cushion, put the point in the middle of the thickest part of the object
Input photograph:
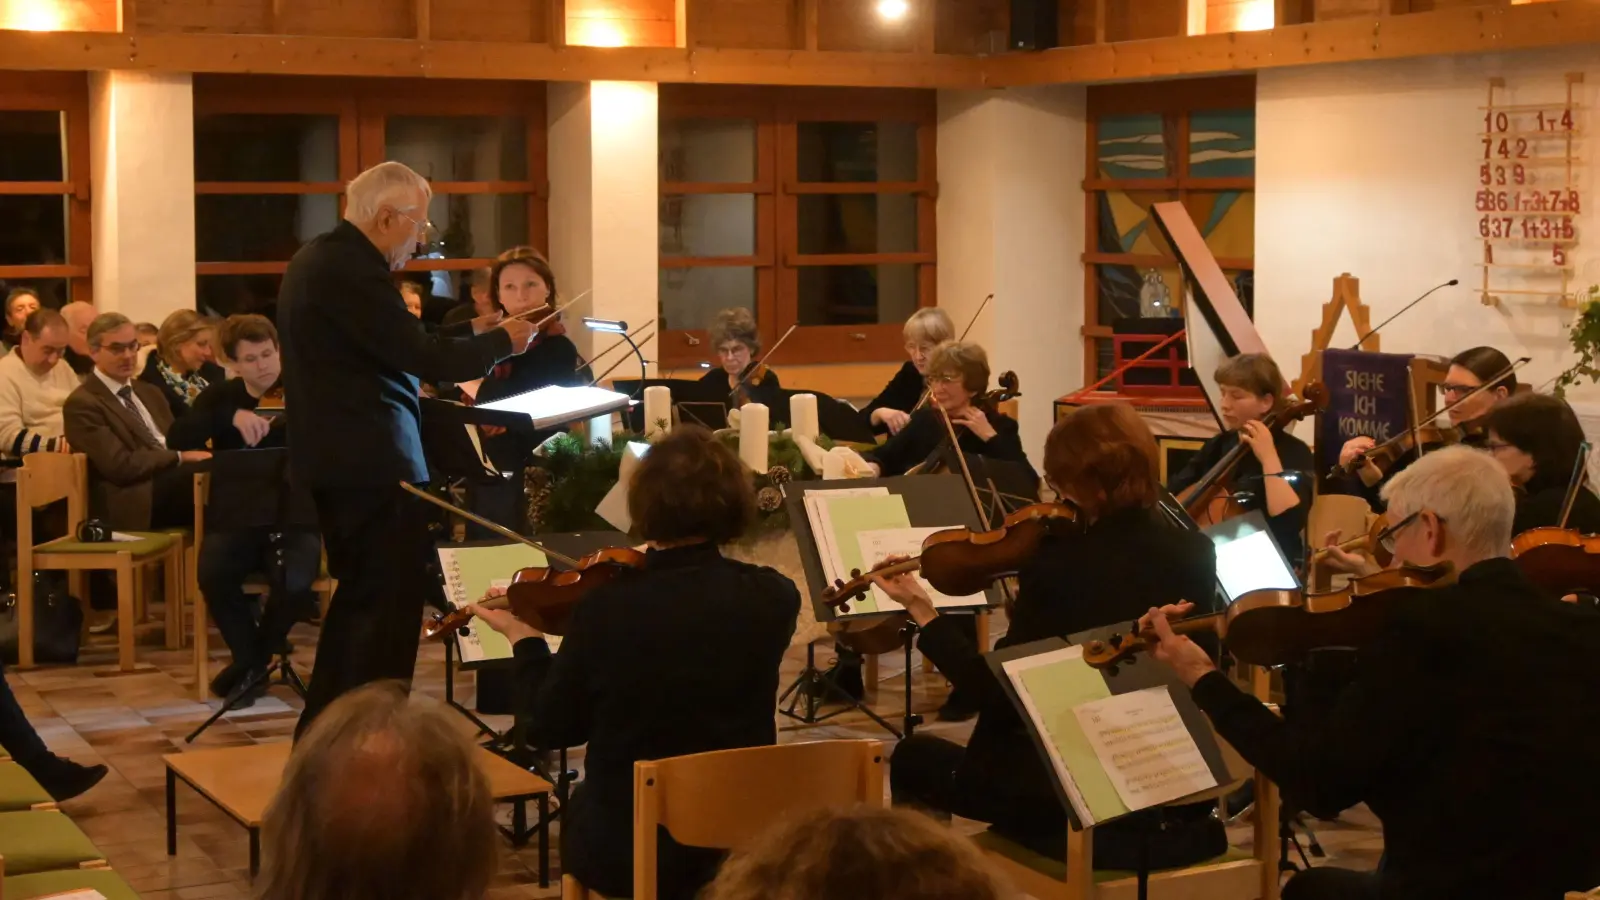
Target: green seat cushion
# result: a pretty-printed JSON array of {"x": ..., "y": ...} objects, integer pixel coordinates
[
  {"x": 148, "y": 543},
  {"x": 43, "y": 884},
  {"x": 1056, "y": 869},
  {"x": 42, "y": 840},
  {"x": 18, "y": 790}
]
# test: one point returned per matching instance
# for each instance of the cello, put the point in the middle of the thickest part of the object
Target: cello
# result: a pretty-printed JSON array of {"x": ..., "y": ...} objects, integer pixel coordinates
[{"x": 1211, "y": 499}]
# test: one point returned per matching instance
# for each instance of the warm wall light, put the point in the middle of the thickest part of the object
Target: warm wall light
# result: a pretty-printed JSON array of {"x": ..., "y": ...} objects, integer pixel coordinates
[
  {"x": 1257, "y": 16},
  {"x": 595, "y": 33},
  {"x": 33, "y": 15},
  {"x": 893, "y": 10}
]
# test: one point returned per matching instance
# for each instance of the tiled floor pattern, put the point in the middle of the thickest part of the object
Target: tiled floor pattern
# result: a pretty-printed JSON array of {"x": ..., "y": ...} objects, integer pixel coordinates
[{"x": 130, "y": 721}]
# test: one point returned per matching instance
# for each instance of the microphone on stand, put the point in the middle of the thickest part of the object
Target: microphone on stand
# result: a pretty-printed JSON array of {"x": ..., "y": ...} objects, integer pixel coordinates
[{"x": 1451, "y": 283}]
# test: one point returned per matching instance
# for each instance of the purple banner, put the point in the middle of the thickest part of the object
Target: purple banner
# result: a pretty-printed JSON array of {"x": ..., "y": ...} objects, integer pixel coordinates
[{"x": 1368, "y": 394}]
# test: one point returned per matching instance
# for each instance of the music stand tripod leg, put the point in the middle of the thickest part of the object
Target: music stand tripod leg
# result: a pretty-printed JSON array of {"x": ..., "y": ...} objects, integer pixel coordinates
[{"x": 912, "y": 719}]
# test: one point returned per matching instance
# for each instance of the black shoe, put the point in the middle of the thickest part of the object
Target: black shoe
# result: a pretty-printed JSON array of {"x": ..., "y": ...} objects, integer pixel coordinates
[
  {"x": 64, "y": 779},
  {"x": 231, "y": 676},
  {"x": 240, "y": 698},
  {"x": 957, "y": 708}
]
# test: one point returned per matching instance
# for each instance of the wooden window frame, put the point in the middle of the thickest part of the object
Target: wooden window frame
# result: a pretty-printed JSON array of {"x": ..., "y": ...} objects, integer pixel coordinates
[
  {"x": 363, "y": 106},
  {"x": 67, "y": 93},
  {"x": 1174, "y": 101},
  {"x": 777, "y": 260}
]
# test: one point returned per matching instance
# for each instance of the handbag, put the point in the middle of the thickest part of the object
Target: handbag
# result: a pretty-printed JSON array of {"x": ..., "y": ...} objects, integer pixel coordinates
[{"x": 57, "y": 621}]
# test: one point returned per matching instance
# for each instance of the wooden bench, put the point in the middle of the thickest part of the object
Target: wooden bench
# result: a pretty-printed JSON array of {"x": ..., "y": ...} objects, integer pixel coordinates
[{"x": 242, "y": 781}]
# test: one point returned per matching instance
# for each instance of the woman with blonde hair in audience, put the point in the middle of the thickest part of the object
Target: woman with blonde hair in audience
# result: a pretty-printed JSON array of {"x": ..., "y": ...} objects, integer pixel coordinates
[
  {"x": 891, "y": 410},
  {"x": 183, "y": 364},
  {"x": 884, "y": 854}
]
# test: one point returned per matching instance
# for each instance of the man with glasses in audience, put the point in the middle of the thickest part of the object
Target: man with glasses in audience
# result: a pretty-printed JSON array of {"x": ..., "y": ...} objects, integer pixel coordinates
[{"x": 1469, "y": 726}]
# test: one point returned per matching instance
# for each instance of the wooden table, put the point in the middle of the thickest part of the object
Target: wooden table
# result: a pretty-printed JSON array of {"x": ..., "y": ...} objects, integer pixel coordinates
[{"x": 241, "y": 781}]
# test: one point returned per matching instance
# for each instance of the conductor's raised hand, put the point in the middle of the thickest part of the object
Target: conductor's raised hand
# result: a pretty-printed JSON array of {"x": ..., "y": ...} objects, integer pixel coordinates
[
  {"x": 522, "y": 333},
  {"x": 1187, "y": 660}
]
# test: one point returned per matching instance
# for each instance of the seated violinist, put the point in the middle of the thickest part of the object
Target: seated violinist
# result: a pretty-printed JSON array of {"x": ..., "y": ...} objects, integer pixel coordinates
[
  {"x": 891, "y": 410},
  {"x": 522, "y": 283},
  {"x": 957, "y": 374},
  {"x": 1277, "y": 474},
  {"x": 1537, "y": 439},
  {"x": 621, "y": 682},
  {"x": 1468, "y": 371},
  {"x": 738, "y": 343},
  {"x": 224, "y": 418},
  {"x": 1476, "y": 701},
  {"x": 1102, "y": 459}
]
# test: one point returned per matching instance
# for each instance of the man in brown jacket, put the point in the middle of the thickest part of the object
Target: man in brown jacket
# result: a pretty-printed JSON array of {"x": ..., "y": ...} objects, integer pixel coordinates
[{"x": 120, "y": 423}]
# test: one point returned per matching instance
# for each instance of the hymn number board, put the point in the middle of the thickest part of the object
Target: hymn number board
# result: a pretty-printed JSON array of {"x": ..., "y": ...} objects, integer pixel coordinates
[{"x": 1529, "y": 194}]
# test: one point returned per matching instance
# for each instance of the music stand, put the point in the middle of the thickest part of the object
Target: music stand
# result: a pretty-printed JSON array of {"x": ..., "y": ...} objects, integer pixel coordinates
[
  {"x": 254, "y": 489},
  {"x": 929, "y": 500},
  {"x": 837, "y": 419},
  {"x": 684, "y": 391}
]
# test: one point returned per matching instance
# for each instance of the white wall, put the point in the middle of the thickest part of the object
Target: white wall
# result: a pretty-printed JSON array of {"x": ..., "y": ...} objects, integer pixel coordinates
[
  {"x": 1011, "y": 223},
  {"x": 1372, "y": 169}
]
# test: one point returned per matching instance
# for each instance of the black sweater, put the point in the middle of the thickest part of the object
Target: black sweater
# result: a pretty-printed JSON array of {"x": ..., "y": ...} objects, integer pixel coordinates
[
  {"x": 768, "y": 393},
  {"x": 902, "y": 393},
  {"x": 1123, "y": 565},
  {"x": 925, "y": 434},
  {"x": 211, "y": 419},
  {"x": 1478, "y": 701},
  {"x": 622, "y": 684},
  {"x": 1288, "y": 528}
]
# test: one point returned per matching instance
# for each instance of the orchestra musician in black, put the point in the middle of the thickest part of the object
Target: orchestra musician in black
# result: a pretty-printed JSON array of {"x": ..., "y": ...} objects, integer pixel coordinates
[{"x": 891, "y": 410}]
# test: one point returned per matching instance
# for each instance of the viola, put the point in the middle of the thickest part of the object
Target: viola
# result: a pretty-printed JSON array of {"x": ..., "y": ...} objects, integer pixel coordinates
[
  {"x": 960, "y": 562},
  {"x": 1210, "y": 500},
  {"x": 1271, "y": 628},
  {"x": 1559, "y": 560},
  {"x": 545, "y": 597}
]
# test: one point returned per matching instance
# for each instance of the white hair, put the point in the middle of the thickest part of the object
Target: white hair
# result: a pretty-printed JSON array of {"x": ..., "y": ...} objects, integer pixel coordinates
[
  {"x": 389, "y": 184},
  {"x": 930, "y": 324},
  {"x": 1464, "y": 487}
]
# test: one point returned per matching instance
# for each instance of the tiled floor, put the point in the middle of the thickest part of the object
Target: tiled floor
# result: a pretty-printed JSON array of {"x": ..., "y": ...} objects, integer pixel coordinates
[{"x": 130, "y": 721}]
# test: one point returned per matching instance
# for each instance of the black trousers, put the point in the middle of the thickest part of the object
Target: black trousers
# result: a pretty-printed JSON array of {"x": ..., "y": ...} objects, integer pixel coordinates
[
  {"x": 227, "y": 558},
  {"x": 379, "y": 550},
  {"x": 1327, "y": 883}
]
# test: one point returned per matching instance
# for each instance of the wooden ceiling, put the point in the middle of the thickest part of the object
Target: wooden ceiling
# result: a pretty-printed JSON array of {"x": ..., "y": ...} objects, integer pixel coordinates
[{"x": 940, "y": 44}]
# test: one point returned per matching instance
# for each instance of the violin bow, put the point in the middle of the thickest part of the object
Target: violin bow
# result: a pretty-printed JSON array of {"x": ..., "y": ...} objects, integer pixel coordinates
[
  {"x": 750, "y": 369},
  {"x": 553, "y": 313},
  {"x": 1580, "y": 473},
  {"x": 601, "y": 377},
  {"x": 607, "y": 351},
  {"x": 495, "y": 527},
  {"x": 972, "y": 489},
  {"x": 1491, "y": 384},
  {"x": 927, "y": 392}
]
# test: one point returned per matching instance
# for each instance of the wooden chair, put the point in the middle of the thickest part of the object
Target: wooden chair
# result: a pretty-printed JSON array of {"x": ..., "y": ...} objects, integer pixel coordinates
[
  {"x": 47, "y": 478},
  {"x": 1234, "y": 874},
  {"x": 728, "y": 798}
]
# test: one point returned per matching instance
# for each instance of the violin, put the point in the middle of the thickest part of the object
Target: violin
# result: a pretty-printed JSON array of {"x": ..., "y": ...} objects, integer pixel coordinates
[
  {"x": 757, "y": 372},
  {"x": 542, "y": 596},
  {"x": 1273, "y": 627},
  {"x": 1210, "y": 500},
  {"x": 545, "y": 597},
  {"x": 1368, "y": 543},
  {"x": 1559, "y": 560},
  {"x": 960, "y": 562},
  {"x": 1383, "y": 457}
]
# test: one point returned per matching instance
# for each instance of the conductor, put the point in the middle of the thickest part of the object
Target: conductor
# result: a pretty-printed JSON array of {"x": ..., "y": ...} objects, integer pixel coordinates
[{"x": 352, "y": 357}]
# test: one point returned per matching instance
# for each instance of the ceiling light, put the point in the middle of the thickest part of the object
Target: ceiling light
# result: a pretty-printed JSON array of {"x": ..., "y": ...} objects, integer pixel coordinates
[{"x": 893, "y": 10}]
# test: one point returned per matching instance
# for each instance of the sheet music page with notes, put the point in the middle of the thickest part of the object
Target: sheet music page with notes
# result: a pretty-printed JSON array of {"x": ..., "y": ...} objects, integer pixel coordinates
[
  {"x": 878, "y": 544},
  {"x": 469, "y": 572},
  {"x": 1147, "y": 751}
]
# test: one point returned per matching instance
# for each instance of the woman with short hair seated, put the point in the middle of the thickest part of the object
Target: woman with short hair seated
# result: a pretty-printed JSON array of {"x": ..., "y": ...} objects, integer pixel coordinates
[
  {"x": 623, "y": 681},
  {"x": 182, "y": 364},
  {"x": 891, "y": 410},
  {"x": 1537, "y": 439}
]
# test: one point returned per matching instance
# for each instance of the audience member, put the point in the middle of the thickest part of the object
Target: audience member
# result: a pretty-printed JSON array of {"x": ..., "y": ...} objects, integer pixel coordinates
[
  {"x": 78, "y": 315},
  {"x": 20, "y": 304},
  {"x": 224, "y": 417},
  {"x": 121, "y": 423},
  {"x": 880, "y": 853},
  {"x": 62, "y": 778},
  {"x": 382, "y": 800},
  {"x": 412, "y": 293},
  {"x": 181, "y": 366},
  {"x": 34, "y": 383},
  {"x": 149, "y": 334}
]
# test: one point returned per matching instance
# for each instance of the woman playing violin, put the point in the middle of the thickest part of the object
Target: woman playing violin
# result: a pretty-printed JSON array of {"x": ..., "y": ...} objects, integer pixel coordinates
[
  {"x": 1469, "y": 369},
  {"x": 521, "y": 283},
  {"x": 623, "y": 681},
  {"x": 1104, "y": 460},
  {"x": 1277, "y": 474},
  {"x": 1537, "y": 438},
  {"x": 738, "y": 343},
  {"x": 957, "y": 375},
  {"x": 891, "y": 410}
]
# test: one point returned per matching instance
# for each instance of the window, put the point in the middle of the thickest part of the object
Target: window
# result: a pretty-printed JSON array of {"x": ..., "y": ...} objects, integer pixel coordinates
[
  {"x": 810, "y": 207},
  {"x": 1192, "y": 142},
  {"x": 272, "y": 157},
  {"x": 45, "y": 237}
]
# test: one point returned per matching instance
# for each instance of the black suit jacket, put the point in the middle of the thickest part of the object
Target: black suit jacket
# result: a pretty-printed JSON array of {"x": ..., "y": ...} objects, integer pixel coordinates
[
  {"x": 1123, "y": 565},
  {"x": 622, "y": 684},
  {"x": 1477, "y": 707},
  {"x": 123, "y": 459},
  {"x": 352, "y": 355}
]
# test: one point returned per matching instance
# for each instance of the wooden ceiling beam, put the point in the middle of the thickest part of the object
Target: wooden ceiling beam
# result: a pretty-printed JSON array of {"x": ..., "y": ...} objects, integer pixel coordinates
[{"x": 1478, "y": 29}]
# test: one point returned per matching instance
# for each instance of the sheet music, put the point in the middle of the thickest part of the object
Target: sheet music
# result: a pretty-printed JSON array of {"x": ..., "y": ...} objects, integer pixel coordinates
[
  {"x": 878, "y": 545},
  {"x": 1145, "y": 747},
  {"x": 837, "y": 517},
  {"x": 821, "y": 519},
  {"x": 469, "y": 572},
  {"x": 1050, "y": 686}
]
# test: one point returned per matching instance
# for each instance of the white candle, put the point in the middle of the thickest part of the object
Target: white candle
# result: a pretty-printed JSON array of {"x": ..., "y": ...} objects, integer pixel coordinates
[
  {"x": 753, "y": 436},
  {"x": 803, "y": 415},
  {"x": 600, "y": 430},
  {"x": 657, "y": 411}
]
